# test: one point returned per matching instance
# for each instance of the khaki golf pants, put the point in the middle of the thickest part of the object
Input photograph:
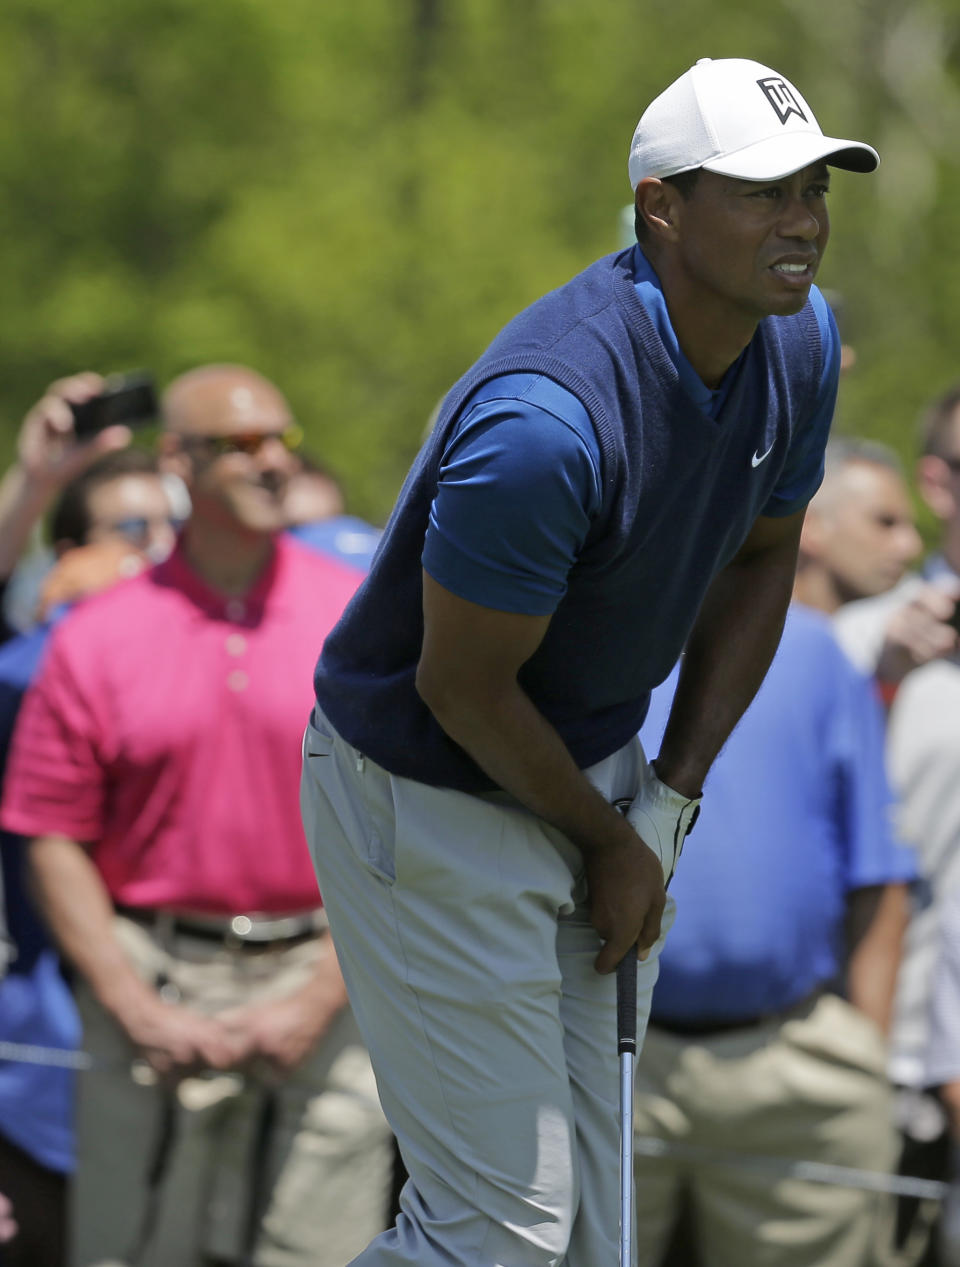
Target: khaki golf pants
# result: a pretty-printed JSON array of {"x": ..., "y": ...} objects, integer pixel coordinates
[
  {"x": 808, "y": 1088},
  {"x": 465, "y": 943},
  {"x": 326, "y": 1167}
]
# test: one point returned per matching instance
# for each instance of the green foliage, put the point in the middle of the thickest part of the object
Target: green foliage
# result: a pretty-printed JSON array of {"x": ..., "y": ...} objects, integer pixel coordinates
[{"x": 353, "y": 198}]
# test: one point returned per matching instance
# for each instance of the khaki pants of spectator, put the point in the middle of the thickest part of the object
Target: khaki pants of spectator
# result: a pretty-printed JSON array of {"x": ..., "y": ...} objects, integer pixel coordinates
[
  {"x": 810, "y": 1088},
  {"x": 327, "y": 1168}
]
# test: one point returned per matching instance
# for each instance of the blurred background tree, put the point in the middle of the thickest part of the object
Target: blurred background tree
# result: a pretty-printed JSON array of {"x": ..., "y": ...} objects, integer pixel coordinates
[{"x": 353, "y": 198}]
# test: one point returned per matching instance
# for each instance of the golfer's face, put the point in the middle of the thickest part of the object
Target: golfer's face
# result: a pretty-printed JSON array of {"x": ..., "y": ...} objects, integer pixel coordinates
[{"x": 756, "y": 245}]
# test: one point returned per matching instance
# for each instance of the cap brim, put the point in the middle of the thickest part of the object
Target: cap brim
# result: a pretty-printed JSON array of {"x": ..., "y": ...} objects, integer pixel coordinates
[{"x": 779, "y": 156}]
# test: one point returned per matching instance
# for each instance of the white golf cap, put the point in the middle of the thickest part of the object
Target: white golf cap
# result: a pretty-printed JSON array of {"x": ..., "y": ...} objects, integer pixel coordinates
[{"x": 738, "y": 118}]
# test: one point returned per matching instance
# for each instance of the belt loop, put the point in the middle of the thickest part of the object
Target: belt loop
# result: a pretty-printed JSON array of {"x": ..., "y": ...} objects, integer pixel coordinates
[{"x": 163, "y": 924}]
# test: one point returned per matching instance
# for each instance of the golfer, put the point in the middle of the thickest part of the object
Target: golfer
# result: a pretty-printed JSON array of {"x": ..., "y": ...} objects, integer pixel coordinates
[{"x": 621, "y": 475}]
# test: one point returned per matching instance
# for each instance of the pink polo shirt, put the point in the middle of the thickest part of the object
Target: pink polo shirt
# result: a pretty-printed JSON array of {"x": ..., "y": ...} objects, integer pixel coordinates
[{"x": 164, "y": 729}]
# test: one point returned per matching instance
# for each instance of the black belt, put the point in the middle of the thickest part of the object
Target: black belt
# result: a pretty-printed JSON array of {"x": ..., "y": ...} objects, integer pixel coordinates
[
  {"x": 709, "y": 1028},
  {"x": 236, "y": 932}
]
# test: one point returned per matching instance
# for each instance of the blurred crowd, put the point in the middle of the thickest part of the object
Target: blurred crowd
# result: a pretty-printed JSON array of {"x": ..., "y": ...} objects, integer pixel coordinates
[{"x": 181, "y": 1079}]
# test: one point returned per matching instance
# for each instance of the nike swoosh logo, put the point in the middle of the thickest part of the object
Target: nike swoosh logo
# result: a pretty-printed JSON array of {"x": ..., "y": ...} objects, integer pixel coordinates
[{"x": 761, "y": 457}]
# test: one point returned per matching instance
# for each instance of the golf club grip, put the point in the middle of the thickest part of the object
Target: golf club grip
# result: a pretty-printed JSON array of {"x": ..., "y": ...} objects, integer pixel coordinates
[{"x": 627, "y": 1002}]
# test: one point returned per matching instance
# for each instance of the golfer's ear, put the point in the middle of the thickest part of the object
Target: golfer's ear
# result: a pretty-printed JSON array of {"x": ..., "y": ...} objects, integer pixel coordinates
[{"x": 655, "y": 202}]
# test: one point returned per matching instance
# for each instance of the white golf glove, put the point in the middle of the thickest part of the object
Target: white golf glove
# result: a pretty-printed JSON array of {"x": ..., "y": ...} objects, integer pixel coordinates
[{"x": 662, "y": 818}]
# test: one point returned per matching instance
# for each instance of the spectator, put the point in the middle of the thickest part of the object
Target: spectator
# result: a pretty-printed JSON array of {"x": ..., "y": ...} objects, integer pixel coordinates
[
  {"x": 316, "y": 515},
  {"x": 313, "y": 494},
  {"x": 120, "y": 497},
  {"x": 942, "y": 1067},
  {"x": 859, "y": 536},
  {"x": 92, "y": 525},
  {"x": 893, "y": 632},
  {"x": 49, "y": 456},
  {"x": 767, "y": 1030},
  {"x": 108, "y": 522},
  {"x": 36, "y": 1007},
  {"x": 889, "y": 635},
  {"x": 156, "y": 764},
  {"x": 924, "y": 758}
]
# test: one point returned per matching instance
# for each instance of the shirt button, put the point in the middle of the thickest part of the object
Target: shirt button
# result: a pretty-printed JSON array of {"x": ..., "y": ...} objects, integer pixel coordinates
[
  {"x": 236, "y": 644},
  {"x": 235, "y": 609},
  {"x": 238, "y": 680}
]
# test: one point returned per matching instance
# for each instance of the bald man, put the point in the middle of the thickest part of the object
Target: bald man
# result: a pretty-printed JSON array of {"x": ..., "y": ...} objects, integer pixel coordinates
[
  {"x": 860, "y": 535},
  {"x": 156, "y": 762}
]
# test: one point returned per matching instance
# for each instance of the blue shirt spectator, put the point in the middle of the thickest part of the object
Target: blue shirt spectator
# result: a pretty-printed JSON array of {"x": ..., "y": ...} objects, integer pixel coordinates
[
  {"x": 345, "y": 537},
  {"x": 795, "y": 817}
]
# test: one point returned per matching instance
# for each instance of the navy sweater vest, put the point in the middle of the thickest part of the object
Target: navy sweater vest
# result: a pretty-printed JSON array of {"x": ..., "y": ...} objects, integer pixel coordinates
[{"x": 680, "y": 493}]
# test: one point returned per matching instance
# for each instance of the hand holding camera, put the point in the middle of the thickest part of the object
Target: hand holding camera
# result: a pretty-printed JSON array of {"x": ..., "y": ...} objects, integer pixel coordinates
[{"x": 78, "y": 420}]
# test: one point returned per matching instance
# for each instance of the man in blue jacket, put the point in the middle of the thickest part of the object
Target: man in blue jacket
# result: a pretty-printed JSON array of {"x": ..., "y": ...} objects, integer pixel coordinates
[{"x": 623, "y": 472}]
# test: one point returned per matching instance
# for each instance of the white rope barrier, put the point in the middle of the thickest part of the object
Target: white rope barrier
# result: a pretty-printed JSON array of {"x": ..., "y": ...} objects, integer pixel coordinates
[
  {"x": 787, "y": 1168},
  {"x": 53, "y": 1057},
  {"x": 644, "y": 1146}
]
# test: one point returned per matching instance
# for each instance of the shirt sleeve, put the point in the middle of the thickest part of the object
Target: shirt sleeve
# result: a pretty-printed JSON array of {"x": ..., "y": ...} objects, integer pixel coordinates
[
  {"x": 519, "y": 487},
  {"x": 803, "y": 472},
  {"x": 874, "y": 853},
  {"x": 55, "y": 780}
]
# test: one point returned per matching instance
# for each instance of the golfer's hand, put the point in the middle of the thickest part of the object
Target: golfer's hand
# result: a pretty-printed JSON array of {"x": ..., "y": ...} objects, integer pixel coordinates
[
  {"x": 627, "y": 897},
  {"x": 176, "y": 1040},
  {"x": 660, "y": 819}
]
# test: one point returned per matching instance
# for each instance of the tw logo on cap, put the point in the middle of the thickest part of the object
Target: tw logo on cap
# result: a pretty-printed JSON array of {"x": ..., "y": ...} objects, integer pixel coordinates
[{"x": 780, "y": 95}]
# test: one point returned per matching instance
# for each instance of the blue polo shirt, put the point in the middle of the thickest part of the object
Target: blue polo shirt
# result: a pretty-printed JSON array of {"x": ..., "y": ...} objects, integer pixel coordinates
[
  {"x": 796, "y": 814},
  {"x": 36, "y": 1007}
]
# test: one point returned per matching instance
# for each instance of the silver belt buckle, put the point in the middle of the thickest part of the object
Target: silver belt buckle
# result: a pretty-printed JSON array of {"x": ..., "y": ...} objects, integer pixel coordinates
[{"x": 252, "y": 930}]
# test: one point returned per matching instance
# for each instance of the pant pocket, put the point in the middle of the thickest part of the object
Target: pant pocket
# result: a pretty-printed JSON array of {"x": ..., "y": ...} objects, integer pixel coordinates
[
  {"x": 347, "y": 794},
  {"x": 839, "y": 1034}
]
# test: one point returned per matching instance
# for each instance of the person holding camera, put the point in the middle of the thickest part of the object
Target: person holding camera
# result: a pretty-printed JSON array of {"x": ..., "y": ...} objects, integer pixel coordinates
[
  {"x": 108, "y": 521},
  {"x": 49, "y": 456},
  {"x": 155, "y": 765}
]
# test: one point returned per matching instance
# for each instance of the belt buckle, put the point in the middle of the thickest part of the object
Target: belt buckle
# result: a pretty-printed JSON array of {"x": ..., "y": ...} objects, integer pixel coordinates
[
  {"x": 245, "y": 930},
  {"x": 238, "y": 931}
]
